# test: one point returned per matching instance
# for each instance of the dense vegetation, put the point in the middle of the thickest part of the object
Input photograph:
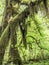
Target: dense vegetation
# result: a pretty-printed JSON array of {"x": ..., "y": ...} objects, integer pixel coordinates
[{"x": 24, "y": 32}]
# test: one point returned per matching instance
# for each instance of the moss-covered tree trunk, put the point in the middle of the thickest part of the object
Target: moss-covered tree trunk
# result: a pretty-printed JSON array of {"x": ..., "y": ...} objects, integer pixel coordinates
[{"x": 14, "y": 54}]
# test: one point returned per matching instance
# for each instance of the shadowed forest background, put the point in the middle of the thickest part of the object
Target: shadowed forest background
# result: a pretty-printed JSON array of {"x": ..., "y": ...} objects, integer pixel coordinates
[{"x": 24, "y": 32}]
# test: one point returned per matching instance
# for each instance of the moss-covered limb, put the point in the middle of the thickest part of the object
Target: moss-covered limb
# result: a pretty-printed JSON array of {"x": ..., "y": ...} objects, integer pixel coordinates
[
  {"x": 4, "y": 35},
  {"x": 3, "y": 43}
]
